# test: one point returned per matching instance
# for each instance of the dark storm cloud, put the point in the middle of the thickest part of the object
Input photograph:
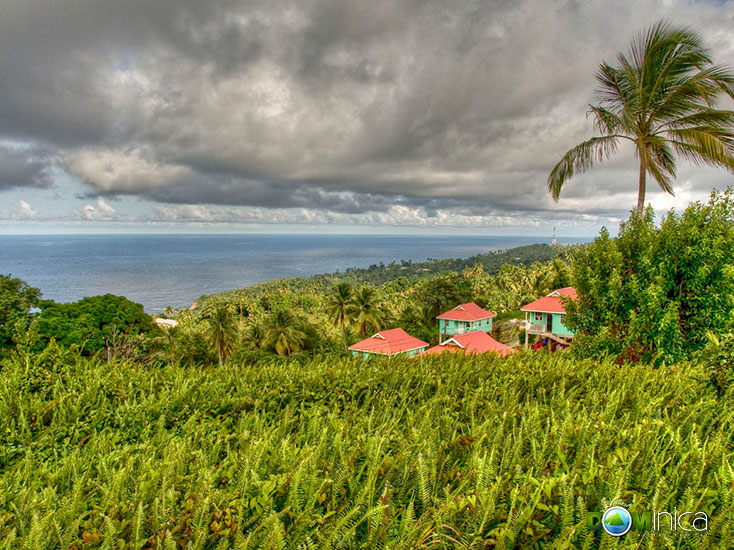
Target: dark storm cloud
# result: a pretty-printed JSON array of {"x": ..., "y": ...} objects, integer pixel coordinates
[
  {"x": 20, "y": 168},
  {"x": 344, "y": 106}
]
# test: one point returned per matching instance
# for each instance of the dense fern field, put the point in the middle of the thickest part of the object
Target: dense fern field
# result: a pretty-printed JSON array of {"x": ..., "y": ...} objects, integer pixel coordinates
[{"x": 449, "y": 452}]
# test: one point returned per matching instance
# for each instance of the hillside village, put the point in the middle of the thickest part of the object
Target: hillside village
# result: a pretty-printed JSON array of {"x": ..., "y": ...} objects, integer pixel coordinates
[{"x": 465, "y": 329}]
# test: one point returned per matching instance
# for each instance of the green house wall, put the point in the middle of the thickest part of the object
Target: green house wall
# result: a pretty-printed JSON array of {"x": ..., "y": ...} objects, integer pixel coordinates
[
  {"x": 451, "y": 327},
  {"x": 556, "y": 326}
]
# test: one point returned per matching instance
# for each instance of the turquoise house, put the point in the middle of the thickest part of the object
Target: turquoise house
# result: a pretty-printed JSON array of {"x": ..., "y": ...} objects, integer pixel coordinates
[
  {"x": 546, "y": 316},
  {"x": 462, "y": 319}
]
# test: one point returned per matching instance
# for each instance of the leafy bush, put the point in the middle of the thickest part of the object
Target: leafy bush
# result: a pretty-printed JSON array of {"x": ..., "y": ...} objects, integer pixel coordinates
[
  {"x": 652, "y": 294},
  {"x": 718, "y": 361},
  {"x": 94, "y": 323},
  {"x": 16, "y": 300}
]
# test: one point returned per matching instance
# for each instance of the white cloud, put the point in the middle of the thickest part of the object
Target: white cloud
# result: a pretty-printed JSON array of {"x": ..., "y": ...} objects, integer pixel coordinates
[
  {"x": 398, "y": 216},
  {"x": 26, "y": 211},
  {"x": 102, "y": 211}
]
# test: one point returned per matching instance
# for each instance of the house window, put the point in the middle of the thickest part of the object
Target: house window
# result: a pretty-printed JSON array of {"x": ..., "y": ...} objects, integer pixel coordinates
[
  {"x": 563, "y": 319},
  {"x": 538, "y": 316}
]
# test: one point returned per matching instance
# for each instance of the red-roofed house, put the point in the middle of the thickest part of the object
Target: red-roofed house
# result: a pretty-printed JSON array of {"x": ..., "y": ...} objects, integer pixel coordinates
[
  {"x": 464, "y": 318},
  {"x": 389, "y": 342},
  {"x": 546, "y": 316},
  {"x": 470, "y": 343}
]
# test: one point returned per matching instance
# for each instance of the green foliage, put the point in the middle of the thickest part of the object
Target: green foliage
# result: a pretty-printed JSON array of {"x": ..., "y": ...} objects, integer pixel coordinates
[
  {"x": 16, "y": 301},
  {"x": 444, "y": 452},
  {"x": 221, "y": 330},
  {"x": 284, "y": 333},
  {"x": 490, "y": 263},
  {"x": 328, "y": 303},
  {"x": 718, "y": 361},
  {"x": 365, "y": 310},
  {"x": 93, "y": 324},
  {"x": 661, "y": 96},
  {"x": 338, "y": 307},
  {"x": 651, "y": 294}
]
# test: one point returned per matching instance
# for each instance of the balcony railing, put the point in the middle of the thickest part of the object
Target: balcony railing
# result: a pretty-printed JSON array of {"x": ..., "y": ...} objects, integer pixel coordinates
[{"x": 536, "y": 329}]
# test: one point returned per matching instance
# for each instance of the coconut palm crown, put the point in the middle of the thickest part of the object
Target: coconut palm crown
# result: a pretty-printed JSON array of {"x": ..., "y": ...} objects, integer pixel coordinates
[
  {"x": 365, "y": 311},
  {"x": 661, "y": 96},
  {"x": 221, "y": 330},
  {"x": 337, "y": 307}
]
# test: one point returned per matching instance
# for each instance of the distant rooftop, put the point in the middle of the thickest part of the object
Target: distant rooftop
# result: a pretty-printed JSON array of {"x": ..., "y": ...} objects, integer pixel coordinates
[
  {"x": 466, "y": 312},
  {"x": 469, "y": 343},
  {"x": 389, "y": 342},
  {"x": 553, "y": 302}
]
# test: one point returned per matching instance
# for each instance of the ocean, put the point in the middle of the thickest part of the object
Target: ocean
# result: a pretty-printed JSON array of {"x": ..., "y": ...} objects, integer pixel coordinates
[{"x": 173, "y": 270}]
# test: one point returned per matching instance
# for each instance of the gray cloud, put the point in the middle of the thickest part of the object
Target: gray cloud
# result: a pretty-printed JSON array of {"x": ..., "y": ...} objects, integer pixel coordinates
[
  {"x": 344, "y": 107},
  {"x": 21, "y": 168}
]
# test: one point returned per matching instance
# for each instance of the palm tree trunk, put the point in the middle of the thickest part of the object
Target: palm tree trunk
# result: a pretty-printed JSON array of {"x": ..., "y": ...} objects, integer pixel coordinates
[
  {"x": 641, "y": 191},
  {"x": 344, "y": 334}
]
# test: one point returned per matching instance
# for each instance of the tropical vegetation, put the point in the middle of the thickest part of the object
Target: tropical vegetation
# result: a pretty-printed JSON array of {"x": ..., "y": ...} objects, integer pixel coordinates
[
  {"x": 16, "y": 300},
  {"x": 98, "y": 323},
  {"x": 654, "y": 294},
  {"x": 445, "y": 452}
]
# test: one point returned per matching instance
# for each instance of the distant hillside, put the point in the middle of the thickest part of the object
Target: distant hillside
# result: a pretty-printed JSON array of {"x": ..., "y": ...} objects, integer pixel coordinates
[
  {"x": 491, "y": 262},
  {"x": 380, "y": 274}
]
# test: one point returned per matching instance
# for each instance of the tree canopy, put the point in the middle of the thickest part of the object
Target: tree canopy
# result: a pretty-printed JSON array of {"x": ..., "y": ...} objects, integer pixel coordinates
[
  {"x": 16, "y": 300},
  {"x": 653, "y": 294},
  {"x": 92, "y": 322}
]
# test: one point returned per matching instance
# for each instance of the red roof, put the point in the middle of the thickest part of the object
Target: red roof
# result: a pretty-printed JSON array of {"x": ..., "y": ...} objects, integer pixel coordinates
[
  {"x": 466, "y": 312},
  {"x": 477, "y": 341},
  {"x": 553, "y": 303},
  {"x": 389, "y": 342},
  {"x": 568, "y": 292}
]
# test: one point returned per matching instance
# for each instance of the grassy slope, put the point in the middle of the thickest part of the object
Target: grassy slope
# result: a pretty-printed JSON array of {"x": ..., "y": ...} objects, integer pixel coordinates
[{"x": 351, "y": 454}]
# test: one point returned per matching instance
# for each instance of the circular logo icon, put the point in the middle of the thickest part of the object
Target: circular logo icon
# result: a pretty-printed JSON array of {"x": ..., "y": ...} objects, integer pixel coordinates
[{"x": 616, "y": 521}]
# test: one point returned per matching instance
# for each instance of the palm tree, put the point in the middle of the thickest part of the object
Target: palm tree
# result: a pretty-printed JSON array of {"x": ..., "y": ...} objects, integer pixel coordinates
[
  {"x": 221, "y": 330},
  {"x": 364, "y": 310},
  {"x": 254, "y": 335},
  {"x": 283, "y": 333},
  {"x": 337, "y": 307},
  {"x": 661, "y": 96}
]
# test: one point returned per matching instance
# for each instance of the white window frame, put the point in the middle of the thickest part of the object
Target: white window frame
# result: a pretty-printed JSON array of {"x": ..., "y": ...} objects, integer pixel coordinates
[{"x": 538, "y": 316}]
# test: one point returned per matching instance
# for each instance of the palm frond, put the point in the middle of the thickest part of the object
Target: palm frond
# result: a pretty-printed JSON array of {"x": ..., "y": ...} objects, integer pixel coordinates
[
  {"x": 579, "y": 159},
  {"x": 703, "y": 146},
  {"x": 605, "y": 121},
  {"x": 660, "y": 163},
  {"x": 707, "y": 117}
]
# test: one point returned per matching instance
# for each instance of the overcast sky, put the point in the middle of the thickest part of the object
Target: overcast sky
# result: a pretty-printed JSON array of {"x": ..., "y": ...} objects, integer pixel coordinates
[{"x": 139, "y": 115}]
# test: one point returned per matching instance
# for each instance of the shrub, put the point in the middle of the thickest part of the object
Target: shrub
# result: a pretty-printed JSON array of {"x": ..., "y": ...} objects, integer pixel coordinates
[{"x": 652, "y": 294}]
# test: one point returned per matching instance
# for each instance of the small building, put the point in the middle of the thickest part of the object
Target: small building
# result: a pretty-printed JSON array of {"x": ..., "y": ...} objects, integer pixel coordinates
[
  {"x": 167, "y": 323},
  {"x": 546, "y": 317},
  {"x": 462, "y": 319},
  {"x": 470, "y": 343},
  {"x": 389, "y": 342}
]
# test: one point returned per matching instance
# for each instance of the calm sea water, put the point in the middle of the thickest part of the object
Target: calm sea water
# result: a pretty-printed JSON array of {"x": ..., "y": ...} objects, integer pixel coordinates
[{"x": 162, "y": 270}]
